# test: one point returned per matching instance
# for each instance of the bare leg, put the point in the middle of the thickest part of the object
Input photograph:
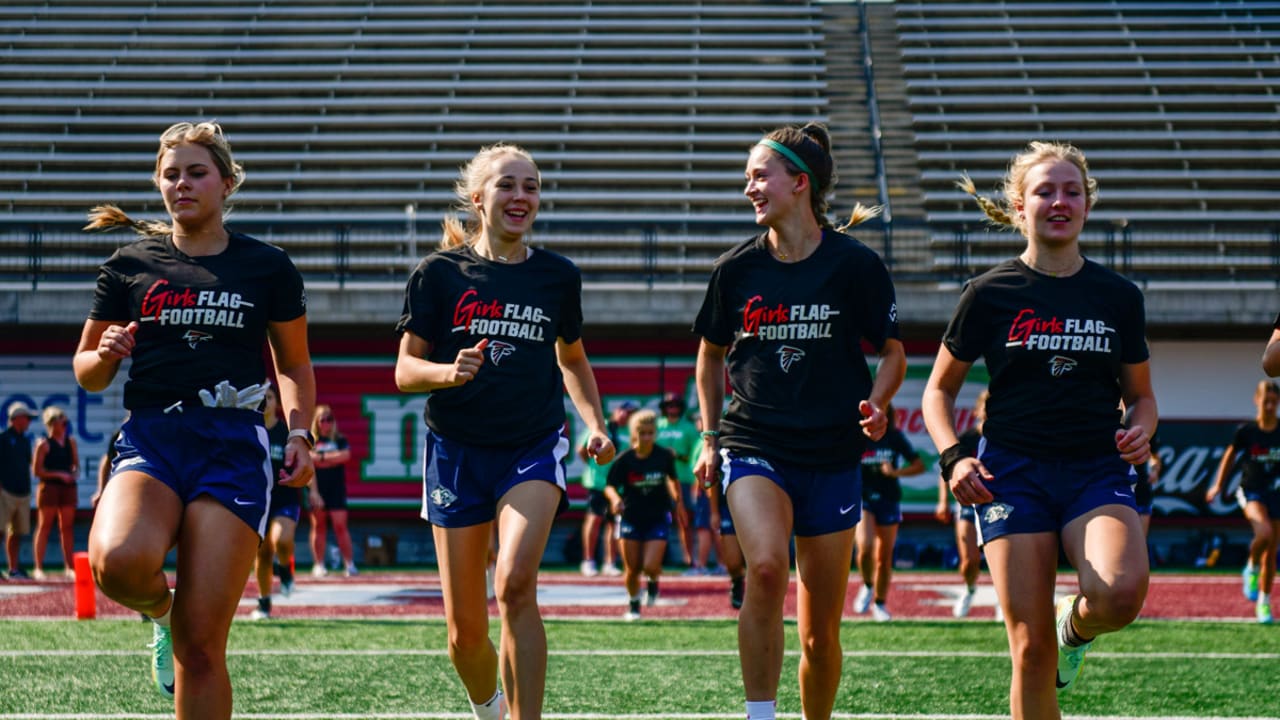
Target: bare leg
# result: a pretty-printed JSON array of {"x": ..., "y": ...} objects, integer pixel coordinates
[
  {"x": 216, "y": 550},
  {"x": 762, "y": 514},
  {"x": 525, "y": 515},
  {"x": 822, "y": 567},
  {"x": 1024, "y": 570},
  {"x": 461, "y": 553}
]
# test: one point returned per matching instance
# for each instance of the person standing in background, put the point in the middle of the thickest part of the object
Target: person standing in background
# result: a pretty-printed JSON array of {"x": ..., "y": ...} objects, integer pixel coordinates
[
  {"x": 678, "y": 435},
  {"x": 883, "y": 462},
  {"x": 15, "y": 485},
  {"x": 56, "y": 464},
  {"x": 275, "y": 554},
  {"x": 1256, "y": 446},
  {"x": 329, "y": 498},
  {"x": 595, "y": 476}
]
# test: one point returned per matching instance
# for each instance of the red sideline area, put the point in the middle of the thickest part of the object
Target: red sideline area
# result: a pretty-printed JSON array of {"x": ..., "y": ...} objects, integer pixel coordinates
[{"x": 566, "y": 595}]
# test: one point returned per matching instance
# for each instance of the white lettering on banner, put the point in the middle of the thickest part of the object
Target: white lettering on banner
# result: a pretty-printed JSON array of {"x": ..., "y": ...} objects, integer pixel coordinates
[{"x": 389, "y": 459}]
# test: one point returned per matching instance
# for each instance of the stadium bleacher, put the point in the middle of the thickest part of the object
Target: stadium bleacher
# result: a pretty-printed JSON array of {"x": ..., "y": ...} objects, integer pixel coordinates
[
  {"x": 1175, "y": 104},
  {"x": 352, "y": 118},
  {"x": 359, "y": 114}
]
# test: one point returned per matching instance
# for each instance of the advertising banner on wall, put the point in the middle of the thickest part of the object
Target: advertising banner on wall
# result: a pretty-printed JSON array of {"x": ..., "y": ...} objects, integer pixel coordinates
[{"x": 385, "y": 429}]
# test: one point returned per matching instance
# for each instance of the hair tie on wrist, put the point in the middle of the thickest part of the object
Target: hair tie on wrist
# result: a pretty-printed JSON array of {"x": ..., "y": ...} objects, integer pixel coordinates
[{"x": 709, "y": 434}]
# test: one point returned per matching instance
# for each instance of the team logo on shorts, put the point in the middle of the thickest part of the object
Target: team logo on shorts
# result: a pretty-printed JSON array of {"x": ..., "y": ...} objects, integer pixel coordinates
[
  {"x": 788, "y": 356},
  {"x": 997, "y": 512},
  {"x": 499, "y": 350},
  {"x": 753, "y": 460},
  {"x": 442, "y": 497},
  {"x": 1059, "y": 365},
  {"x": 195, "y": 337}
]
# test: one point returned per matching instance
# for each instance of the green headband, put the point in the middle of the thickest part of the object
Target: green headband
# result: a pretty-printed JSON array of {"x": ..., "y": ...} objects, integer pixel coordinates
[{"x": 789, "y": 154}]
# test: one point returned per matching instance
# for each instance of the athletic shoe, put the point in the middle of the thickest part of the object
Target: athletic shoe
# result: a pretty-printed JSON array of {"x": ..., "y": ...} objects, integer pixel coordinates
[
  {"x": 999, "y": 613},
  {"x": 1264, "y": 612},
  {"x": 38, "y": 574},
  {"x": 863, "y": 602},
  {"x": 259, "y": 614},
  {"x": 631, "y": 615},
  {"x": 286, "y": 587},
  {"x": 737, "y": 587},
  {"x": 651, "y": 595},
  {"x": 1070, "y": 659},
  {"x": 961, "y": 608},
  {"x": 695, "y": 571},
  {"x": 611, "y": 571},
  {"x": 351, "y": 570},
  {"x": 162, "y": 659},
  {"x": 318, "y": 570},
  {"x": 1250, "y": 583},
  {"x": 588, "y": 568},
  {"x": 879, "y": 613},
  {"x": 19, "y": 574}
]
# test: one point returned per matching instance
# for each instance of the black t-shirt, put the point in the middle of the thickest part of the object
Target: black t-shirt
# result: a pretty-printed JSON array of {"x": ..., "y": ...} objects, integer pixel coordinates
[
  {"x": 455, "y": 298},
  {"x": 334, "y": 477},
  {"x": 795, "y": 360},
  {"x": 1054, "y": 349},
  {"x": 642, "y": 482},
  {"x": 1259, "y": 453},
  {"x": 201, "y": 319},
  {"x": 893, "y": 448},
  {"x": 15, "y": 462}
]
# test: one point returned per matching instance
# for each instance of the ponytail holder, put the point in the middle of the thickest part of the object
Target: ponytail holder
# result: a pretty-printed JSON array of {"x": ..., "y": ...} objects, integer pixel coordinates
[{"x": 789, "y": 154}]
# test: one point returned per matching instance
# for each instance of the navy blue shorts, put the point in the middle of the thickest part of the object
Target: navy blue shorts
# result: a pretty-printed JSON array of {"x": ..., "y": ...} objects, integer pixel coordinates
[
  {"x": 598, "y": 503},
  {"x": 965, "y": 513},
  {"x": 1270, "y": 499},
  {"x": 285, "y": 502},
  {"x": 219, "y": 452},
  {"x": 822, "y": 501},
  {"x": 884, "y": 507},
  {"x": 726, "y": 519},
  {"x": 1034, "y": 496},
  {"x": 462, "y": 484},
  {"x": 655, "y": 529},
  {"x": 702, "y": 512}
]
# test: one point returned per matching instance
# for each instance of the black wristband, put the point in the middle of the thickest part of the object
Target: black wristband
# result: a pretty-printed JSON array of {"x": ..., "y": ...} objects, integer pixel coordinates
[{"x": 948, "y": 458}]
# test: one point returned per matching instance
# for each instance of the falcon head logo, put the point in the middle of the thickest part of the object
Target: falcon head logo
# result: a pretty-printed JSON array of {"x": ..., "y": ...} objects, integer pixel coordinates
[
  {"x": 442, "y": 497},
  {"x": 996, "y": 512},
  {"x": 1059, "y": 365},
  {"x": 194, "y": 337},
  {"x": 788, "y": 356},
  {"x": 499, "y": 350}
]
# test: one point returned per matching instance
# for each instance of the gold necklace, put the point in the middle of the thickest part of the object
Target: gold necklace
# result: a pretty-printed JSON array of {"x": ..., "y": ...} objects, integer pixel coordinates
[{"x": 493, "y": 255}]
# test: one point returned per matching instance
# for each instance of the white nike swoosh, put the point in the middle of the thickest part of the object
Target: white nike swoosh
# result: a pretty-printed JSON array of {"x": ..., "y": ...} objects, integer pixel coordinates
[
  {"x": 525, "y": 469},
  {"x": 845, "y": 510},
  {"x": 1120, "y": 494},
  {"x": 238, "y": 501}
]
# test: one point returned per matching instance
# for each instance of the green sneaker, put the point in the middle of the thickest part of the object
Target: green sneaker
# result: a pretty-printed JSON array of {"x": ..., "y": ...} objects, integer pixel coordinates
[
  {"x": 1250, "y": 583},
  {"x": 1070, "y": 659},
  {"x": 1264, "y": 612},
  {"x": 162, "y": 659}
]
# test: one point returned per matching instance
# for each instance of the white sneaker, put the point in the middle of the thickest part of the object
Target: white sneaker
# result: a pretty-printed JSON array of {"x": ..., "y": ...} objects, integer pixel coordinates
[
  {"x": 999, "y": 613},
  {"x": 879, "y": 613},
  {"x": 259, "y": 614},
  {"x": 318, "y": 570},
  {"x": 612, "y": 571},
  {"x": 863, "y": 602},
  {"x": 588, "y": 568},
  {"x": 351, "y": 570},
  {"x": 630, "y": 615},
  {"x": 961, "y": 608}
]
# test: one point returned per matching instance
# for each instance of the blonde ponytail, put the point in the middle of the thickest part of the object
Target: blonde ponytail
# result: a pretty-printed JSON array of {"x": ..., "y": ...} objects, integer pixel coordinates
[
  {"x": 997, "y": 214},
  {"x": 110, "y": 217},
  {"x": 861, "y": 213}
]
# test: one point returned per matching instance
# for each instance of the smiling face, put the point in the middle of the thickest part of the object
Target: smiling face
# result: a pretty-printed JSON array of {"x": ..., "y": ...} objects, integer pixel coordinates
[
  {"x": 773, "y": 192},
  {"x": 508, "y": 201},
  {"x": 193, "y": 189},
  {"x": 1054, "y": 203}
]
